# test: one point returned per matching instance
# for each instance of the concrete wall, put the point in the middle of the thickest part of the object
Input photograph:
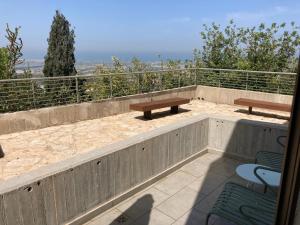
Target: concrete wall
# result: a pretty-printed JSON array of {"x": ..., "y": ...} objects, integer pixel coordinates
[
  {"x": 97, "y": 180},
  {"x": 46, "y": 117},
  {"x": 227, "y": 95},
  {"x": 52, "y": 116},
  {"x": 244, "y": 138}
]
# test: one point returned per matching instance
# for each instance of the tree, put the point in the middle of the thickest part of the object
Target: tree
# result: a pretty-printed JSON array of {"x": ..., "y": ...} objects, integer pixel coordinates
[
  {"x": 60, "y": 61},
  {"x": 4, "y": 64},
  {"x": 14, "y": 50},
  {"x": 99, "y": 87},
  {"x": 266, "y": 48},
  {"x": 60, "y": 58},
  {"x": 144, "y": 80},
  {"x": 222, "y": 48},
  {"x": 271, "y": 48},
  {"x": 262, "y": 48}
]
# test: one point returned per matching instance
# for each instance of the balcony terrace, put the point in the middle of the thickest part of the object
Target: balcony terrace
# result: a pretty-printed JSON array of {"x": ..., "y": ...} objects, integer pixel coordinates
[{"x": 97, "y": 163}]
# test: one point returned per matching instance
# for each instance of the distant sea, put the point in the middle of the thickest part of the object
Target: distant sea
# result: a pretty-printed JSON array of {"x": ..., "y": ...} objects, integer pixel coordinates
[
  {"x": 105, "y": 57},
  {"x": 127, "y": 57}
]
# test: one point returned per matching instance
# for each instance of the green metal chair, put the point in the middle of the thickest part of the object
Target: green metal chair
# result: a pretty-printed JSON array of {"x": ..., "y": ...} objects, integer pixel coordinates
[
  {"x": 243, "y": 206},
  {"x": 271, "y": 159}
]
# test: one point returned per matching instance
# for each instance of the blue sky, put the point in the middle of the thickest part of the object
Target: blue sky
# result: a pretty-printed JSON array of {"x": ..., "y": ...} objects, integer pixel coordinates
[{"x": 136, "y": 26}]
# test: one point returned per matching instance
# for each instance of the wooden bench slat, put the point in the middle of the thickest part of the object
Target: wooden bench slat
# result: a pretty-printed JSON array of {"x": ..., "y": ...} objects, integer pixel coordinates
[
  {"x": 263, "y": 104},
  {"x": 157, "y": 104},
  {"x": 146, "y": 107}
]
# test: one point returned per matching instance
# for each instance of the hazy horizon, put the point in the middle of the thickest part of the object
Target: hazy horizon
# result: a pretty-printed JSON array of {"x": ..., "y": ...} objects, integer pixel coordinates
[
  {"x": 93, "y": 56},
  {"x": 134, "y": 28}
]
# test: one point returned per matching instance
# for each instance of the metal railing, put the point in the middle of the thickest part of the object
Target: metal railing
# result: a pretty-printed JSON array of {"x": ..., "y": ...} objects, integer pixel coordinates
[{"x": 30, "y": 93}]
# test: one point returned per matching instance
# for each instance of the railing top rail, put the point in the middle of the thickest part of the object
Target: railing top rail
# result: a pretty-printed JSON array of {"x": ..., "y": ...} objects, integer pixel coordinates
[
  {"x": 139, "y": 72},
  {"x": 247, "y": 71}
]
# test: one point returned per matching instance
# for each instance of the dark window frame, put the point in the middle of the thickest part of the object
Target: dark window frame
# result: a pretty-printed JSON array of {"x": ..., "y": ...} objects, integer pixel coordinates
[{"x": 290, "y": 184}]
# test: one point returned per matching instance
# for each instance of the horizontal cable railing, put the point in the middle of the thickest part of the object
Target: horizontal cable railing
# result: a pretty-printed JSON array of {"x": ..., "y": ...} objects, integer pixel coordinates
[{"x": 31, "y": 93}]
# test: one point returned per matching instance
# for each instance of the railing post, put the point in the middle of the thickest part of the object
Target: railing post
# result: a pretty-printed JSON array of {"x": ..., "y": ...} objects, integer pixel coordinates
[
  {"x": 77, "y": 90},
  {"x": 160, "y": 82},
  {"x": 220, "y": 78},
  {"x": 179, "y": 79},
  {"x": 247, "y": 77},
  {"x": 195, "y": 77},
  {"x": 138, "y": 83},
  {"x": 110, "y": 86},
  {"x": 33, "y": 94},
  {"x": 278, "y": 83}
]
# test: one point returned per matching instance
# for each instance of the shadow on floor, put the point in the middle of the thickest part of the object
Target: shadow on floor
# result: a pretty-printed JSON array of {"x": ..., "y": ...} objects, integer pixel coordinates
[
  {"x": 145, "y": 203},
  {"x": 157, "y": 115},
  {"x": 264, "y": 114}
]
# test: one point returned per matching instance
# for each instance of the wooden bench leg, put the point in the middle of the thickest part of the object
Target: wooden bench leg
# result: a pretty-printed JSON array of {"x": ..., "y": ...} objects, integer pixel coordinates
[
  {"x": 174, "y": 109},
  {"x": 250, "y": 109},
  {"x": 148, "y": 115}
]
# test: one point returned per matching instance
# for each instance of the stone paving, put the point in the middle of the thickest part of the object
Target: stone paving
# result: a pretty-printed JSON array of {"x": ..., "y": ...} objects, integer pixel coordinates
[
  {"x": 182, "y": 198},
  {"x": 30, "y": 150}
]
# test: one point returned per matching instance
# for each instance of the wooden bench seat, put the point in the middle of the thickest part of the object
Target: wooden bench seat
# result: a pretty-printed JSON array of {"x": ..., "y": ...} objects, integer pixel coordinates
[
  {"x": 262, "y": 104},
  {"x": 146, "y": 107}
]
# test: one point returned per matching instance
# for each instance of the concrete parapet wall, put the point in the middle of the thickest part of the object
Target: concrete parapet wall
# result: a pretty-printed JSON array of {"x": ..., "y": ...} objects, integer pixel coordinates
[
  {"x": 69, "y": 189},
  {"x": 52, "y": 116},
  {"x": 244, "y": 138},
  {"x": 227, "y": 95}
]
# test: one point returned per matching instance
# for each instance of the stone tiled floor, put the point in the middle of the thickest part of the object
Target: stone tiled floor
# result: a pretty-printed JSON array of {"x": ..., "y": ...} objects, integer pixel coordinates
[
  {"x": 30, "y": 150},
  {"x": 182, "y": 198}
]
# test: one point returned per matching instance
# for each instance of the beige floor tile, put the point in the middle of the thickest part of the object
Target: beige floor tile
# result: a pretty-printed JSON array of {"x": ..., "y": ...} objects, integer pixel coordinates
[
  {"x": 154, "y": 217},
  {"x": 175, "y": 182},
  {"x": 111, "y": 217},
  {"x": 210, "y": 159},
  {"x": 180, "y": 203},
  {"x": 207, "y": 183},
  {"x": 142, "y": 202},
  {"x": 225, "y": 168},
  {"x": 197, "y": 169}
]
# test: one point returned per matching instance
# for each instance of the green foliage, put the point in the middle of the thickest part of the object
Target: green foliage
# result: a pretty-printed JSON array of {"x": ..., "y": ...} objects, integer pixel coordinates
[
  {"x": 60, "y": 58},
  {"x": 60, "y": 61},
  {"x": 14, "y": 50},
  {"x": 12, "y": 98},
  {"x": 4, "y": 64},
  {"x": 17, "y": 99},
  {"x": 222, "y": 49},
  {"x": 262, "y": 48},
  {"x": 148, "y": 81}
]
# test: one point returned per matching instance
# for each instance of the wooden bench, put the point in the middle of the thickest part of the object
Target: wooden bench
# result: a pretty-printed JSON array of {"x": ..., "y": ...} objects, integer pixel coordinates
[
  {"x": 146, "y": 107},
  {"x": 262, "y": 104}
]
